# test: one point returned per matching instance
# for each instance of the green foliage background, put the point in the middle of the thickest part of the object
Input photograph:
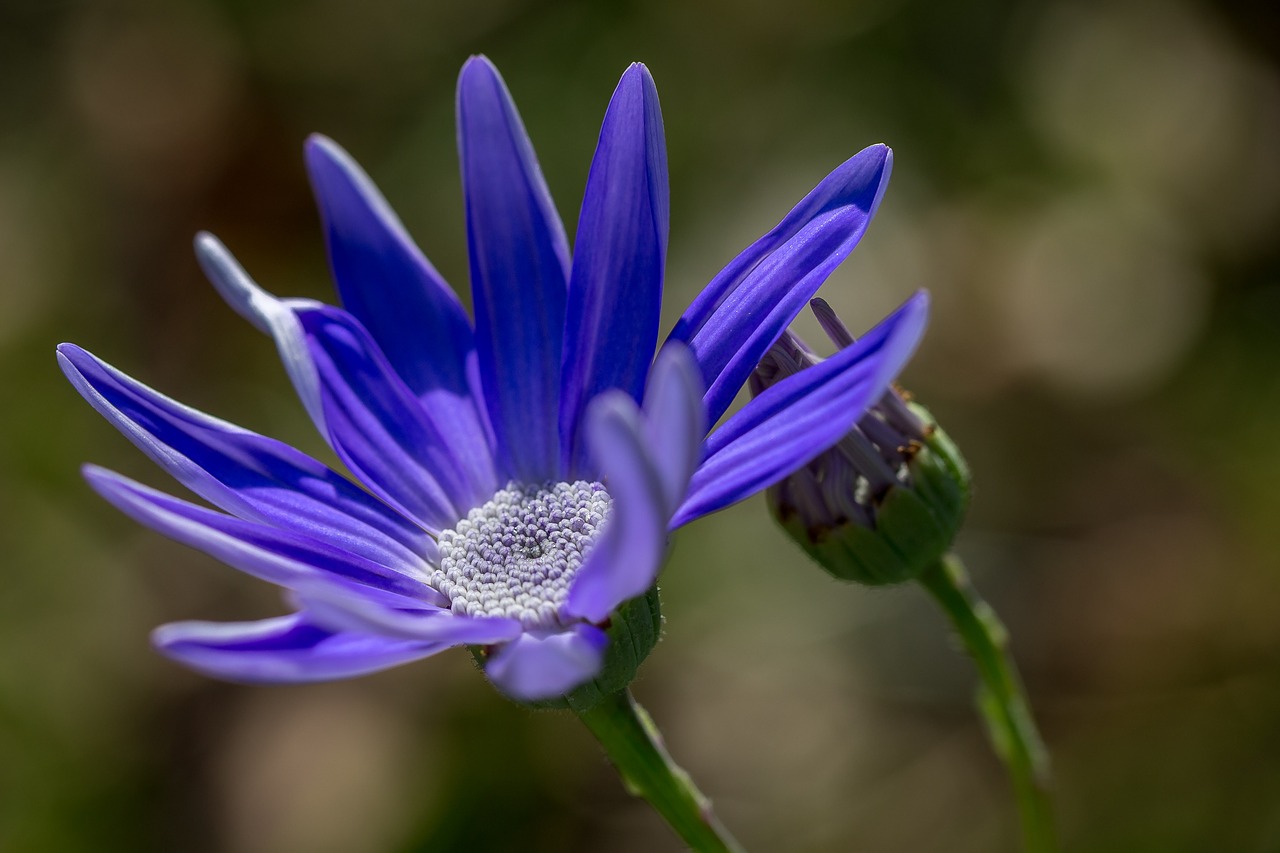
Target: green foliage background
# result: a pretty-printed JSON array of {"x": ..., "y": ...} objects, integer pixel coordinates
[{"x": 1090, "y": 190}]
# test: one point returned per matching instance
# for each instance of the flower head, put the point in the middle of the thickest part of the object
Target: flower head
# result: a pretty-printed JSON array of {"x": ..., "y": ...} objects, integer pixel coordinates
[
  {"x": 886, "y": 500},
  {"x": 517, "y": 472}
]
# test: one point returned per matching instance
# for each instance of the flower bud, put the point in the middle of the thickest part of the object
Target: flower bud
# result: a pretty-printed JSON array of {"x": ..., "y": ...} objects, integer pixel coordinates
[{"x": 887, "y": 500}]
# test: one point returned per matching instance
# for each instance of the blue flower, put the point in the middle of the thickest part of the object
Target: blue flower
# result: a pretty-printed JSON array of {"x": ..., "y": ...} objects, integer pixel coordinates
[{"x": 521, "y": 473}]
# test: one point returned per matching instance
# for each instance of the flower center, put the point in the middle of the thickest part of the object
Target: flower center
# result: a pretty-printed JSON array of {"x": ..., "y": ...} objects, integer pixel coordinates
[{"x": 516, "y": 555}]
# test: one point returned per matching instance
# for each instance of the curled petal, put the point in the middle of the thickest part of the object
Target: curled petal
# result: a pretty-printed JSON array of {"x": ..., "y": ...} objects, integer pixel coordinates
[
  {"x": 272, "y": 316},
  {"x": 674, "y": 420},
  {"x": 546, "y": 665},
  {"x": 286, "y": 649},
  {"x": 626, "y": 560}
]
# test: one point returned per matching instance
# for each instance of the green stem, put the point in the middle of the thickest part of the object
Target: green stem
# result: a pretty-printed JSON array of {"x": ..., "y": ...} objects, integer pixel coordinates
[
  {"x": 1002, "y": 700},
  {"x": 635, "y": 747}
]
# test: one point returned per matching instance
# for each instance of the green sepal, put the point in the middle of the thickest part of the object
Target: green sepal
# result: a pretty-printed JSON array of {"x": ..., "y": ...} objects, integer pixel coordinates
[
  {"x": 914, "y": 527},
  {"x": 633, "y": 631}
]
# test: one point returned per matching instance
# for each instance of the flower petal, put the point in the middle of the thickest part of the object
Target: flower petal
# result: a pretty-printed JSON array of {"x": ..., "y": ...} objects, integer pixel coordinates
[
  {"x": 626, "y": 560},
  {"x": 379, "y": 430},
  {"x": 268, "y": 314},
  {"x": 519, "y": 269},
  {"x": 744, "y": 309},
  {"x": 336, "y": 604},
  {"x": 367, "y": 413},
  {"x": 615, "y": 287},
  {"x": 393, "y": 290},
  {"x": 543, "y": 666},
  {"x": 800, "y": 417},
  {"x": 286, "y": 649},
  {"x": 248, "y": 475},
  {"x": 281, "y": 557},
  {"x": 675, "y": 420}
]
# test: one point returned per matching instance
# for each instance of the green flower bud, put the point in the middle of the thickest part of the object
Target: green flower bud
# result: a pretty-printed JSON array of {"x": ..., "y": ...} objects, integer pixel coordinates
[{"x": 885, "y": 502}]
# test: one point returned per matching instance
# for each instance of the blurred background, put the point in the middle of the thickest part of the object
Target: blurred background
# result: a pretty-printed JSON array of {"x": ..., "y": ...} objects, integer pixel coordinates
[{"x": 1090, "y": 190}]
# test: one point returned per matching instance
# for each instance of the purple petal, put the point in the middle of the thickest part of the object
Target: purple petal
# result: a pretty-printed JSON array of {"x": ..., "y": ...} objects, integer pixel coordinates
[
  {"x": 287, "y": 649},
  {"x": 337, "y": 605},
  {"x": 268, "y": 314},
  {"x": 675, "y": 420},
  {"x": 370, "y": 417},
  {"x": 397, "y": 295},
  {"x": 831, "y": 323},
  {"x": 792, "y": 422},
  {"x": 279, "y": 556},
  {"x": 744, "y": 309},
  {"x": 615, "y": 288},
  {"x": 538, "y": 667},
  {"x": 626, "y": 560},
  {"x": 246, "y": 474},
  {"x": 519, "y": 269},
  {"x": 379, "y": 430}
]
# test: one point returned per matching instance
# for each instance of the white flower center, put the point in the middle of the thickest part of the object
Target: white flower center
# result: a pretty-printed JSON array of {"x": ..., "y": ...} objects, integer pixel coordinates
[{"x": 516, "y": 555}]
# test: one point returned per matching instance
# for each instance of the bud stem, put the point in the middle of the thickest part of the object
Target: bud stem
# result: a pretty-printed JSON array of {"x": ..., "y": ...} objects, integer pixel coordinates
[
  {"x": 635, "y": 747},
  {"x": 1002, "y": 700}
]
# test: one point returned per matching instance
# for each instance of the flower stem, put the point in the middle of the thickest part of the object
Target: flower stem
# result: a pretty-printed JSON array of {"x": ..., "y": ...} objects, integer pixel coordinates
[
  {"x": 635, "y": 747},
  {"x": 1002, "y": 700}
]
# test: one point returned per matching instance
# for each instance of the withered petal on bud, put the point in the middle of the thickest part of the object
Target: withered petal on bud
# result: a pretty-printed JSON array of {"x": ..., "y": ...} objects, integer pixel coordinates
[{"x": 887, "y": 500}]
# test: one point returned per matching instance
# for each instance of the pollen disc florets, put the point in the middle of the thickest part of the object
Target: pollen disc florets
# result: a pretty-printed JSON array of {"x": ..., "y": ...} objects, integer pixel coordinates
[{"x": 516, "y": 555}]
